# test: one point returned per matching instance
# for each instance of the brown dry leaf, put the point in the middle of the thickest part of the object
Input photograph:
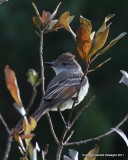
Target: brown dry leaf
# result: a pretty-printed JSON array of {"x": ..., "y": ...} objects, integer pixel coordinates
[
  {"x": 12, "y": 86},
  {"x": 92, "y": 153},
  {"x": 86, "y": 23},
  {"x": 33, "y": 123},
  {"x": 100, "y": 40},
  {"x": 63, "y": 21},
  {"x": 84, "y": 42}
]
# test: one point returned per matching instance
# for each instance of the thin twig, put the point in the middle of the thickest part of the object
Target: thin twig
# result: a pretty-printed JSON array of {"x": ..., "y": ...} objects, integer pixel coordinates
[
  {"x": 8, "y": 146},
  {"x": 42, "y": 62},
  {"x": 69, "y": 137},
  {"x": 34, "y": 93},
  {"x": 51, "y": 128},
  {"x": 82, "y": 109},
  {"x": 101, "y": 136},
  {"x": 5, "y": 124}
]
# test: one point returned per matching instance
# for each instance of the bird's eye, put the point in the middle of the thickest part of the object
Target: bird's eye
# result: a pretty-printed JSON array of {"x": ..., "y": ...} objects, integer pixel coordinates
[{"x": 64, "y": 63}]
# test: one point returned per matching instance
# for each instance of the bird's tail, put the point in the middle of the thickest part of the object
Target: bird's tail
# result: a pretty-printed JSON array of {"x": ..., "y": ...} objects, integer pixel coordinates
[{"x": 40, "y": 112}]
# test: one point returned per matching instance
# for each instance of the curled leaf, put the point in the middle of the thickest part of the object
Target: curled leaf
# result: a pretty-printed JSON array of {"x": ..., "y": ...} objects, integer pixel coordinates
[
  {"x": 63, "y": 21},
  {"x": 73, "y": 154},
  {"x": 121, "y": 133},
  {"x": 107, "y": 18},
  {"x": 84, "y": 42},
  {"x": 12, "y": 85},
  {"x": 124, "y": 78}
]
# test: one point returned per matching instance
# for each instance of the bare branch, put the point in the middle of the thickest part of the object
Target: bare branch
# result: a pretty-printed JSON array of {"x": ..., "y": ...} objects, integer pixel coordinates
[
  {"x": 8, "y": 147},
  {"x": 82, "y": 109},
  {"x": 101, "y": 136},
  {"x": 59, "y": 152},
  {"x": 34, "y": 93},
  {"x": 52, "y": 129},
  {"x": 42, "y": 62},
  {"x": 5, "y": 124}
]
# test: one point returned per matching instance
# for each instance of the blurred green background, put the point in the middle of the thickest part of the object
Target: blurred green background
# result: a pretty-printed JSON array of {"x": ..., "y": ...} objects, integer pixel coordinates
[{"x": 19, "y": 48}]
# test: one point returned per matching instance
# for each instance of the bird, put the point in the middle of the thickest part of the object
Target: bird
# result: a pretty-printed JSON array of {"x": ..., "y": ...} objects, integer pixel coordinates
[{"x": 63, "y": 88}]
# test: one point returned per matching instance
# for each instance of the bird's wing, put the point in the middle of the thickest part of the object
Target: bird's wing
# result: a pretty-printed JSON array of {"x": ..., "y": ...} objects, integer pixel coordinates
[{"x": 63, "y": 88}]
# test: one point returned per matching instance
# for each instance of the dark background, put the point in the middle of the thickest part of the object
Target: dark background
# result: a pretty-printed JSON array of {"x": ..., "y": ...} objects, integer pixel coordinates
[{"x": 19, "y": 48}]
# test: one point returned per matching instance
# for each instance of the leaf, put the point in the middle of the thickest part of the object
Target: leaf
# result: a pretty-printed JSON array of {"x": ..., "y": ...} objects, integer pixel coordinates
[
  {"x": 86, "y": 23},
  {"x": 12, "y": 86},
  {"x": 19, "y": 140},
  {"x": 36, "y": 10},
  {"x": 124, "y": 78},
  {"x": 26, "y": 127},
  {"x": 84, "y": 42},
  {"x": 92, "y": 153},
  {"x": 63, "y": 21},
  {"x": 36, "y": 22},
  {"x": 33, "y": 123},
  {"x": 55, "y": 12},
  {"x": 107, "y": 18},
  {"x": 113, "y": 42},
  {"x": 20, "y": 109},
  {"x": 73, "y": 154},
  {"x": 99, "y": 40},
  {"x": 67, "y": 158},
  {"x": 101, "y": 35},
  {"x": 45, "y": 17},
  {"x": 121, "y": 133}
]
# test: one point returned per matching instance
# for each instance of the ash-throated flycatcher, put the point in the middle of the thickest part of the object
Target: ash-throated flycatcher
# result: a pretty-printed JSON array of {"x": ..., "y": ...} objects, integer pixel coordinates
[{"x": 63, "y": 88}]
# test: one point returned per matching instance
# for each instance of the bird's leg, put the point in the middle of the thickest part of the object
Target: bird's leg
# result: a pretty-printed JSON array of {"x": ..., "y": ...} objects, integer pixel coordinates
[
  {"x": 75, "y": 99},
  {"x": 62, "y": 117}
]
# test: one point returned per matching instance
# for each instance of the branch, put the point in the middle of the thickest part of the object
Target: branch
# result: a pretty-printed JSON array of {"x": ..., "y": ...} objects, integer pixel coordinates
[
  {"x": 101, "y": 136},
  {"x": 52, "y": 129},
  {"x": 8, "y": 147},
  {"x": 34, "y": 93},
  {"x": 5, "y": 124},
  {"x": 59, "y": 152},
  {"x": 82, "y": 109},
  {"x": 41, "y": 62}
]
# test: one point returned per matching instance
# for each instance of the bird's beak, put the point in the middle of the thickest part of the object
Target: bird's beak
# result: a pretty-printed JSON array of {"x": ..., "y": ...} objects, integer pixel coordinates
[{"x": 49, "y": 63}]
